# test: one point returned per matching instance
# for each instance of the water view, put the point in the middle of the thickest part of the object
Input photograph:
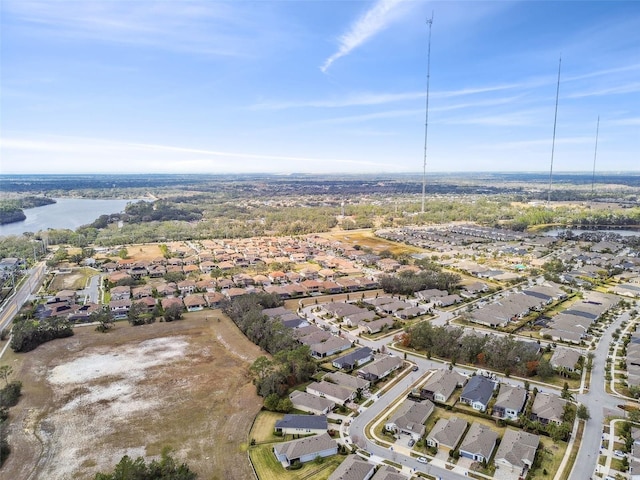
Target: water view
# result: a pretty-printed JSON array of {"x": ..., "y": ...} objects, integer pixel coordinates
[{"x": 65, "y": 213}]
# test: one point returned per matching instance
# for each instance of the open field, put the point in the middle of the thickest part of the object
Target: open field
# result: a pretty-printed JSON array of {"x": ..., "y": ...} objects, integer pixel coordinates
[
  {"x": 263, "y": 427},
  {"x": 75, "y": 280},
  {"x": 366, "y": 238},
  {"x": 92, "y": 398}
]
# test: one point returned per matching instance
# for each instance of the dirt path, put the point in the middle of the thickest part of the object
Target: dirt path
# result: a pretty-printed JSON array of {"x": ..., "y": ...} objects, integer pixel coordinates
[{"x": 92, "y": 398}]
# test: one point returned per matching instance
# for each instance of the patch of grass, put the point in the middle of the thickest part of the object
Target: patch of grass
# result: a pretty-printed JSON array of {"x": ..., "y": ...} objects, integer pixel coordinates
[
  {"x": 552, "y": 454},
  {"x": 268, "y": 467},
  {"x": 262, "y": 430},
  {"x": 574, "y": 452}
]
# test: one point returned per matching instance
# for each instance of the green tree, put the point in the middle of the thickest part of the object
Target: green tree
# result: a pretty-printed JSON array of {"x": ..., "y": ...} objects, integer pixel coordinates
[
  {"x": 173, "y": 312},
  {"x": 583, "y": 412},
  {"x": 165, "y": 469}
]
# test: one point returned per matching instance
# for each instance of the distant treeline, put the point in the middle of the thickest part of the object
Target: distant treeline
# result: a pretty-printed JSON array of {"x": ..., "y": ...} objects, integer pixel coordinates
[{"x": 11, "y": 210}]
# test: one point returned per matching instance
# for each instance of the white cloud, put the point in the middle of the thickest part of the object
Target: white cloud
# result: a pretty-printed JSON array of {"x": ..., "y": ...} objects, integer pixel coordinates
[{"x": 372, "y": 22}]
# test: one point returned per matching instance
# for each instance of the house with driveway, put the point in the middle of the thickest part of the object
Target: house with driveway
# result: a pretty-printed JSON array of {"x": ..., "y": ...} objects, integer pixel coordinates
[
  {"x": 305, "y": 449},
  {"x": 479, "y": 443},
  {"x": 447, "y": 433},
  {"x": 477, "y": 392},
  {"x": 441, "y": 385},
  {"x": 409, "y": 418},
  {"x": 510, "y": 402},
  {"x": 516, "y": 452},
  {"x": 335, "y": 393},
  {"x": 565, "y": 359},
  {"x": 380, "y": 368}
]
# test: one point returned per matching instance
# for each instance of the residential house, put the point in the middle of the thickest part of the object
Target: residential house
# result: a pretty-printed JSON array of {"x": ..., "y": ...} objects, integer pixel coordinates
[
  {"x": 447, "y": 432},
  {"x": 548, "y": 408},
  {"x": 478, "y": 443},
  {"x": 510, "y": 402},
  {"x": 380, "y": 368},
  {"x": 142, "y": 291},
  {"x": 354, "y": 359},
  {"x": 305, "y": 449},
  {"x": 186, "y": 287},
  {"x": 330, "y": 346},
  {"x": 565, "y": 359},
  {"x": 214, "y": 299},
  {"x": 168, "y": 302},
  {"x": 375, "y": 326},
  {"x": 409, "y": 418},
  {"x": 517, "y": 451},
  {"x": 301, "y": 425},
  {"x": 149, "y": 303},
  {"x": 348, "y": 381},
  {"x": 336, "y": 393},
  {"x": 353, "y": 468},
  {"x": 120, "y": 292},
  {"x": 387, "y": 472},
  {"x": 120, "y": 308},
  {"x": 477, "y": 392},
  {"x": 195, "y": 302},
  {"x": 311, "y": 403},
  {"x": 441, "y": 385}
]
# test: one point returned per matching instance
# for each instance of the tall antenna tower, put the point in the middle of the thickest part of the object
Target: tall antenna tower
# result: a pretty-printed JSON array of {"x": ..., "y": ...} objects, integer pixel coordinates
[
  {"x": 553, "y": 142},
  {"x": 595, "y": 153},
  {"x": 426, "y": 116}
]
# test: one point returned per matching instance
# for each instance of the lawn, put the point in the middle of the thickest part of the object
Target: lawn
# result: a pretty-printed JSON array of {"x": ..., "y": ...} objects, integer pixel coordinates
[
  {"x": 75, "y": 280},
  {"x": 262, "y": 430},
  {"x": 268, "y": 468},
  {"x": 552, "y": 454}
]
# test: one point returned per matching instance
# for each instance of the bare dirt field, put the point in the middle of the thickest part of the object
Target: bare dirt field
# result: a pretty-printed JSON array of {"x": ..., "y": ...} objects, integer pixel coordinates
[
  {"x": 92, "y": 398},
  {"x": 367, "y": 238}
]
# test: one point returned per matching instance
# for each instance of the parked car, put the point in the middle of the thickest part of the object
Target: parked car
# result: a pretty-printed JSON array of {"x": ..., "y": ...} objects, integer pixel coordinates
[
  {"x": 423, "y": 460},
  {"x": 412, "y": 442},
  {"x": 619, "y": 453},
  {"x": 415, "y": 368}
]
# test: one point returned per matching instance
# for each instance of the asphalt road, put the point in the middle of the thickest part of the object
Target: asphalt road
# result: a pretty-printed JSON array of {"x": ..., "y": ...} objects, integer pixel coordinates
[{"x": 12, "y": 306}]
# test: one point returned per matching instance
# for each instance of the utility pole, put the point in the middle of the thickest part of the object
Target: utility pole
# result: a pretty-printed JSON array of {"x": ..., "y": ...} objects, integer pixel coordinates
[
  {"x": 553, "y": 141},
  {"x": 426, "y": 116}
]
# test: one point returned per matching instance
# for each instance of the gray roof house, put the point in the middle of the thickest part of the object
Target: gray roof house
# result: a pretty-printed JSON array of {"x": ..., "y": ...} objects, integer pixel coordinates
[
  {"x": 311, "y": 403},
  {"x": 305, "y": 449},
  {"x": 347, "y": 380},
  {"x": 517, "y": 451},
  {"x": 565, "y": 359},
  {"x": 333, "y": 392},
  {"x": 380, "y": 368},
  {"x": 301, "y": 424},
  {"x": 478, "y": 392},
  {"x": 478, "y": 443},
  {"x": 386, "y": 472},
  {"x": 510, "y": 402},
  {"x": 353, "y": 468},
  {"x": 441, "y": 385},
  {"x": 548, "y": 408},
  {"x": 330, "y": 346},
  {"x": 410, "y": 418},
  {"x": 354, "y": 359},
  {"x": 447, "y": 432}
]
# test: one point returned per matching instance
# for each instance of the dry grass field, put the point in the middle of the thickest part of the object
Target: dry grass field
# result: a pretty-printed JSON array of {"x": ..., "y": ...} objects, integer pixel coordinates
[
  {"x": 92, "y": 398},
  {"x": 366, "y": 238}
]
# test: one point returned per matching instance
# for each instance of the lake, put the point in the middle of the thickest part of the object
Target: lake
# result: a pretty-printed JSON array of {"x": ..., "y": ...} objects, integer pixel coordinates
[{"x": 68, "y": 213}]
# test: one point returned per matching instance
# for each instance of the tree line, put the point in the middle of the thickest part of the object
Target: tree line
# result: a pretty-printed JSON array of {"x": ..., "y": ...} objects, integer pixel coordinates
[
  {"x": 291, "y": 363},
  {"x": 500, "y": 353}
]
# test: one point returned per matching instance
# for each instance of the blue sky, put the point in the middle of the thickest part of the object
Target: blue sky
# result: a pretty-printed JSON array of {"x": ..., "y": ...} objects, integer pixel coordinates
[{"x": 301, "y": 86}]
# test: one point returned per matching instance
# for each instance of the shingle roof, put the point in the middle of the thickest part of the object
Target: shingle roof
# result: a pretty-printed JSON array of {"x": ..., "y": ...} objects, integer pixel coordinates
[
  {"x": 548, "y": 406},
  {"x": 518, "y": 448},
  {"x": 305, "y": 446},
  {"x": 448, "y": 431},
  {"x": 512, "y": 397},
  {"x": 478, "y": 389},
  {"x": 353, "y": 468},
  {"x": 312, "y": 422},
  {"x": 480, "y": 439}
]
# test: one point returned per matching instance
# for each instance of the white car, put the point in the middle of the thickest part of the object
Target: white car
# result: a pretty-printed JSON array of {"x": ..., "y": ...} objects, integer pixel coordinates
[
  {"x": 619, "y": 453},
  {"x": 423, "y": 460}
]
